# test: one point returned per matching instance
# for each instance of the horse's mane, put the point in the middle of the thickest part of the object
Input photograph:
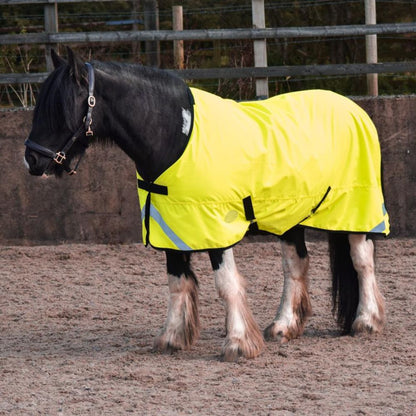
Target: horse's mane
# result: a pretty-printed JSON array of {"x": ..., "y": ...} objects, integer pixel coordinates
[
  {"x": 135, "y": 73},
  {"x": 146, "y": 82}
]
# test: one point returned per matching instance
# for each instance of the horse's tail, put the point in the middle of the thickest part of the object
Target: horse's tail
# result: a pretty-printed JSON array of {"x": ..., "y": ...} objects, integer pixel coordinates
[{"x": 345, "y": 295}]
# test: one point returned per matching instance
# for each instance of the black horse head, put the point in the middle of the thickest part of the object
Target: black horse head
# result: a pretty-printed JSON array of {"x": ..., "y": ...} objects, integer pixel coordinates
[
  {"x": 62, "y": 117},
  {"x": 139, "y": 109}
]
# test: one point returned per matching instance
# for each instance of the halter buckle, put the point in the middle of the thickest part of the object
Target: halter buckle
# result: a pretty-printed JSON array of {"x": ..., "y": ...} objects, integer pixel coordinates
[
  {"x": 91, "y": 101},
  {"x": 59, "y": 158},
  {"x": 89, "y": 131}
]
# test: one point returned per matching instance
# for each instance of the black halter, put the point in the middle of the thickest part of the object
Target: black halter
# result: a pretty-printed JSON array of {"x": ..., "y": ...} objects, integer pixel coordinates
[{"x": 60, "y": 156}]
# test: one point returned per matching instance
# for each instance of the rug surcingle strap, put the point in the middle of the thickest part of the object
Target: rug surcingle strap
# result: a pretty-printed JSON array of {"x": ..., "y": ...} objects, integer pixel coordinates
[{"x": 321, "y": 201}]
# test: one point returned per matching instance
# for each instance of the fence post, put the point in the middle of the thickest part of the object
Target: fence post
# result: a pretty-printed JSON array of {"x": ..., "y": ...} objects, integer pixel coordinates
[
  {"x": 51, "y": 26},
  {"x": 135, "y": 45},
  {"x": 151, "y": 22},
  {"x": 371, "y": 46},
  {"x": 260, "y": 47},
  {"x": 177, "y": 24}
]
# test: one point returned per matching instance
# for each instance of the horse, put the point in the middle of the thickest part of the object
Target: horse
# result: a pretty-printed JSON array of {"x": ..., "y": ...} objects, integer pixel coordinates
[{"x": 151, "y": 115}]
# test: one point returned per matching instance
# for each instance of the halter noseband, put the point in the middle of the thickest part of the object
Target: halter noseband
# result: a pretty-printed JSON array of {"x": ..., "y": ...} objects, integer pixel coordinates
[{"x": 60, "y": 157}]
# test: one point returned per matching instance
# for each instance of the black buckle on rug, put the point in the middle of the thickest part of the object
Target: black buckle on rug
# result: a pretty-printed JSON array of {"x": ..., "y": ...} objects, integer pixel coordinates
[
  {"x": 249, "y": 213},
  {"x": 152, "y": 187}
]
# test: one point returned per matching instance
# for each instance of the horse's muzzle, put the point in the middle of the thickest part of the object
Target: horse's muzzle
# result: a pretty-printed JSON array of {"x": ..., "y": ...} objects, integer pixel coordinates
[{"x": 35, "y": 163}]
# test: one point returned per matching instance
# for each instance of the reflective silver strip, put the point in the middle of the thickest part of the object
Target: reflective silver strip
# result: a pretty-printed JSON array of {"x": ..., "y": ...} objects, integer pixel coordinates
[
  {"x": 382, "y": 226},
  {"x": 155, "y": 214},
  {"x": 379, "y": 228}
]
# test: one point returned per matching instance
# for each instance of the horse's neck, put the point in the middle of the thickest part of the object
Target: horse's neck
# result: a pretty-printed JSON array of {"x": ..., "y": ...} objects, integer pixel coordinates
[{"x": 144, "y": 117}]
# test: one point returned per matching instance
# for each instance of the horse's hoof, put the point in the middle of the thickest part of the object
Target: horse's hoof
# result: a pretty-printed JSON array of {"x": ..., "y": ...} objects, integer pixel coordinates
[
  {"x": 367, "y": 325},
  {"x": 275, "y": 332},
  {"x": 236, "y": 348},
  {"x": 231, "y": 355},
  {"x": 161, "y": 345},
  {"x": 270, "y": 333}
]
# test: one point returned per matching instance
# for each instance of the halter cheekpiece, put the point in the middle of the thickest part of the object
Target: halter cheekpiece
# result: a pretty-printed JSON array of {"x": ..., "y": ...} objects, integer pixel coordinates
[{"x": 59, "y": 157}]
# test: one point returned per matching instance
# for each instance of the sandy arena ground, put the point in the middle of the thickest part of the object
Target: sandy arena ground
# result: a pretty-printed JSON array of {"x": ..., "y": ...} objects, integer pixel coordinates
[{"x": 77, "y": 324}]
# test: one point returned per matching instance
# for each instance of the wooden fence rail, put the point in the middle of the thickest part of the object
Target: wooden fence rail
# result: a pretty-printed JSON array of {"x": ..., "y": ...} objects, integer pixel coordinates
[
  {"x": 208, "y": 34},
  {"x": 252, "y": 72},
  {"x": 51, "y": 36},
  {"x": 19, "y": 2},
  {"x": 227, "y": 34}
]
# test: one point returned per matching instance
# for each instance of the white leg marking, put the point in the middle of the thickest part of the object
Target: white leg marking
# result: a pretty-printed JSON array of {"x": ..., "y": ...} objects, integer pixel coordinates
[
  {"x": 370, "y": 311},
  {"x": 243, "y": 335},
  {"x": 294, "y": 305},
  {"x": 182, "y": 322},
  {"x": 230, "y": 287}
]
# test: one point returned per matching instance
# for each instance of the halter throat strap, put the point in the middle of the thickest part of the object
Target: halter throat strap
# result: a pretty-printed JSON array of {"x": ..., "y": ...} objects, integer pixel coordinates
[{"x": 59, "y": 157}]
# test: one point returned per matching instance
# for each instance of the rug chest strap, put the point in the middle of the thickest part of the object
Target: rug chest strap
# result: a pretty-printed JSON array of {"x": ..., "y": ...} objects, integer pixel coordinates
[{"x": 150, "y": 187}]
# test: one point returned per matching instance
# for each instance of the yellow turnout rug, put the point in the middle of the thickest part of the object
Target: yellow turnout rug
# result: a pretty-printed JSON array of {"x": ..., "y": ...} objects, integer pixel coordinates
[{"x": 309, "y": 158}]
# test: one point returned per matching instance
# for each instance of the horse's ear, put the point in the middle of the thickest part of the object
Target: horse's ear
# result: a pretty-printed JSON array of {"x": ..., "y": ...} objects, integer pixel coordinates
[
  {"x": 56, "y": 59},
  {"x": 76, "y": 66}
]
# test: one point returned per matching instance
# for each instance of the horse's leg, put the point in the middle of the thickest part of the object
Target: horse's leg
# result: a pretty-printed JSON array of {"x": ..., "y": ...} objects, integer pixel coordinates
[
  {"x": 243, "y": 336},
  {"x": 370, "y": 315},
  {"x": 182, "y": 323},
  {"x": 295, "y": 305}
]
